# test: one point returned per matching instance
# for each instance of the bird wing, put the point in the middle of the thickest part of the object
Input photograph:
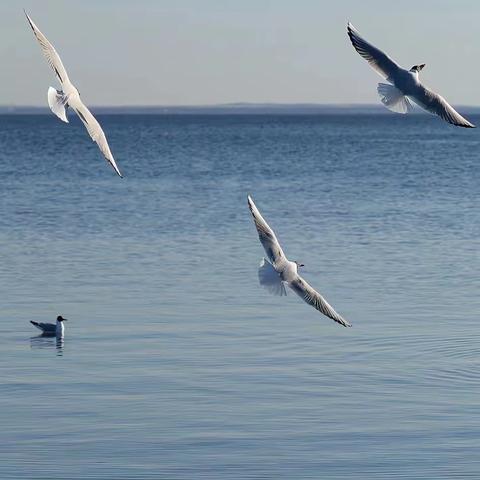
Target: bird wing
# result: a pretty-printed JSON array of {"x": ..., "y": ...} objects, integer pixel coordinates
[
  {"x": 313, "y": 298},
  {"x": 45, "y": 327},
  {"x": 50, "y": 53},
  {"x": 434, "y": 103},
  {"x": 379, "y": 61},
  {"x": 266, "y": 235},
  {"x": 95, "y": 131}
]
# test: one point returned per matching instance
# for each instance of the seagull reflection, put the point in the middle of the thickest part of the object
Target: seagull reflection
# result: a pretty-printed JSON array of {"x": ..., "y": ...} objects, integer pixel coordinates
[{"x": 47, "y": 341}]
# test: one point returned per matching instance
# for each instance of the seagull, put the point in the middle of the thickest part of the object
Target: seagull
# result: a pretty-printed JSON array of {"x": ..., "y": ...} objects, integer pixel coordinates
[
  {"x": 403, "y": 85},
  {"x": 69, "y": 96},
  {"x": 51, "y": 329},
  {"x": 276, "y": 270}
]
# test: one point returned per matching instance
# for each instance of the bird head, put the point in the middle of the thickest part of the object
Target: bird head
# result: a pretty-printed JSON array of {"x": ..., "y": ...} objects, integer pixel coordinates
[
  {"x": 417, "y": 68},
  {"x": 61, "y": 319}
]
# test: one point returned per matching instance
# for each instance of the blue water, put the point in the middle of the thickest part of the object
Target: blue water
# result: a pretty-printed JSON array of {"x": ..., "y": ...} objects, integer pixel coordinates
[{"x": 176, "y": 364}]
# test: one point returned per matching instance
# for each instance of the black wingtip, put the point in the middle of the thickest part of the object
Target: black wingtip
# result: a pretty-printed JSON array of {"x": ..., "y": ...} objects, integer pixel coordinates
[
  {"x": 465, "y": 125},
  {"x": 28, "y": 19},
  {"x": 350, "y": 33}
]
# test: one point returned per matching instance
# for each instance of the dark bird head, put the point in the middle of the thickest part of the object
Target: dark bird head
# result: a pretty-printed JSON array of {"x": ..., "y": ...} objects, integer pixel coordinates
[
  {"x": 299, "y": 264},
  {"x": 61, "y": 319},
  {"x": 417, "y": 68}
]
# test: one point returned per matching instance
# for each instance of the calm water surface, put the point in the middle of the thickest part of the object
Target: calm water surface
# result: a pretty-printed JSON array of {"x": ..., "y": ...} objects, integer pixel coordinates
[{"x": 176, "y": 364}]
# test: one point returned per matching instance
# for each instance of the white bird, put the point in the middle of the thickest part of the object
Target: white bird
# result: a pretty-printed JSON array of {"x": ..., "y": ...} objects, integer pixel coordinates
[
  {"x": 52, "y": 329},
  {"x": 403, "y": 85},
  {"x": 60, "y": 100},
  {"x": 276, "y": 270}
]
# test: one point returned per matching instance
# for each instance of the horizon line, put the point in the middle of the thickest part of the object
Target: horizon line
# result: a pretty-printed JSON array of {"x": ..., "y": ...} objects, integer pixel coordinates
[{"x": 230, "y": 108}]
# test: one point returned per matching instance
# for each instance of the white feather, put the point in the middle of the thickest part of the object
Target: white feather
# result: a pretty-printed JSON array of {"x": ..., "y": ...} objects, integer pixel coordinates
[
  {"x": 275, "y": 274},
  {"x": 393, "y": 98},
  {"x": 58, "y": 103},
  {"x": 57, "y": 99},
  {"x": 405, "y": 81},
  {"x": 270, "y": 279}
]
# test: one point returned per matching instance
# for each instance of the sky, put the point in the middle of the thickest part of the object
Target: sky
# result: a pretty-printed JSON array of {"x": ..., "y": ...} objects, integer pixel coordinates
[{"x": 204, "y": 52}]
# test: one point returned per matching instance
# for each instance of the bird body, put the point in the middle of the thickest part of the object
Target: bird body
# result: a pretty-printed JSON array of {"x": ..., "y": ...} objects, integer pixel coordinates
[
  {"x": 287, "y": 270},
  {"x": 406, "y": 81},
  {"x": 404, "y": 85},
  {"x": 276, "y": 271},
  {"x": 57, "y": 329},
  {"x": 69, "y": 96}
]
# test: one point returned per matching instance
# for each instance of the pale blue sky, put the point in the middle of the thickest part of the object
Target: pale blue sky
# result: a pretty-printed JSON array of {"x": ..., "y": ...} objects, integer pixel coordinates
[{"x": 186, "y": 52}]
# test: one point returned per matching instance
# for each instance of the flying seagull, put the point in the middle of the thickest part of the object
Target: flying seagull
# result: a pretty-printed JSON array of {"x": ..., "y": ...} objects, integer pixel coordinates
[
  {"x": 403, "y": 85},
  {"x": 276, "y": 270},
  {"x": 60, "y": 100},
  {"x": 51, "y": 328}
]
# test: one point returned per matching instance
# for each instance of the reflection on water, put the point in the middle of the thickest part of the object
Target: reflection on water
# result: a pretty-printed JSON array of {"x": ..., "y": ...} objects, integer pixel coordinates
[{"x": 45, "y": 341}]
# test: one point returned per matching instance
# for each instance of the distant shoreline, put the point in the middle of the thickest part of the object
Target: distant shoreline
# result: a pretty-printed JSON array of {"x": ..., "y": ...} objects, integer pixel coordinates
[{"x": 229, "y": 109}]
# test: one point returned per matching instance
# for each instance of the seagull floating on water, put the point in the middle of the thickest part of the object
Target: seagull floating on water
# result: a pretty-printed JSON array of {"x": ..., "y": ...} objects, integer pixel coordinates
[
  {"x": 277, "y": 270},
  {"x": 52, "y": 329},
  {"x": 69, "y": 96},
  {"x": 403, "y": 85}
]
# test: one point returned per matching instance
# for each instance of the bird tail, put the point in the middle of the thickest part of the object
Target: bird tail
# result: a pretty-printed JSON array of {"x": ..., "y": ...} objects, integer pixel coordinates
[
  {"x": 393, "y": 98},
  {"x": 57, "y": 101},
  {"x": 36, "y": 324},
  {"x": 269, "y": 278}
]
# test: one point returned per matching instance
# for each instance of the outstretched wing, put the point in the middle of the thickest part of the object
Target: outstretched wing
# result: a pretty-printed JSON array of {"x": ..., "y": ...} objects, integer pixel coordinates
[
  {"x": 379, "y": 61},
  {"x": 313, "y": 298},
  {"x": 50, "y": 53},
  {"x": 95, "y": 131},
  {"x": 266, "y": 235},
  {"x": 434, "y": 103}
]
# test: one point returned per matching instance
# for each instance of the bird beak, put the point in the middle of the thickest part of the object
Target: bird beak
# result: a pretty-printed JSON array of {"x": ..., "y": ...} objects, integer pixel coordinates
[
  {"x": 301, "y": 265},
  {"x": 420, "y": 67},
  {"x": 65, "y": 319}
]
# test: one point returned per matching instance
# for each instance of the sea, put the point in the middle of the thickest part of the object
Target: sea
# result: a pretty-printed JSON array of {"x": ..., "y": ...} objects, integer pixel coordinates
[{"x": 176, "y": 363}]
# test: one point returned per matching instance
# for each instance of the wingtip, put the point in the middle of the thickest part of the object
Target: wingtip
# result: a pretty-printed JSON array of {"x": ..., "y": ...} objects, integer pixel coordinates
[
  {"x": 28, "y": 17},
  {"x": 351, "y": 33},
  {"x": 467, "y": 124},
  {"x": 117, "y": 171},
  {"x": 341, "y": 321}
]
